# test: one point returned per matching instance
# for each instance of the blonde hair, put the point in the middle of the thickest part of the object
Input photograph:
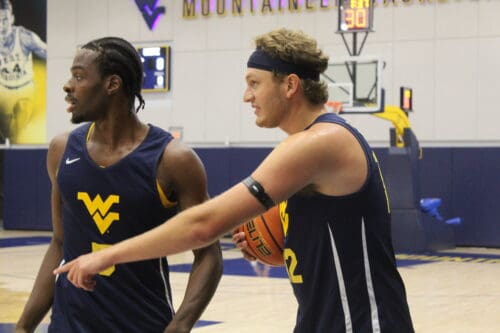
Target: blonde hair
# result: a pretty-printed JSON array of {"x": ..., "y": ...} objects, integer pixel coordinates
[{"x": 296, "y": 47}]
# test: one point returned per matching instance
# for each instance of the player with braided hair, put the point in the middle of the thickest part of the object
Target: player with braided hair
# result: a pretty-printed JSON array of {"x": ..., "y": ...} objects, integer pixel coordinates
[
  {"x": 112, "y": 178},
  {"x": 117, "y": 55}
]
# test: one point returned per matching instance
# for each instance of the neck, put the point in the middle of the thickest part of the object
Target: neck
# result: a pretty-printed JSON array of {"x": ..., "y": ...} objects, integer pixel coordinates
[
  {"x": 300, "y": 117},
  {"x": 118, "y": 130}
]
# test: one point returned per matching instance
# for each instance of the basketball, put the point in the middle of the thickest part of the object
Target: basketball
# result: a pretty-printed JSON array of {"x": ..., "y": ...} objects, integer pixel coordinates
[{"x": 264, "y": 235}]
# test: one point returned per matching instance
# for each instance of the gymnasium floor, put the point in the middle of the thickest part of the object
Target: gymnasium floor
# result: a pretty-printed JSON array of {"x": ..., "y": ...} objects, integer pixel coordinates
[{"x": 455, "y": 291}]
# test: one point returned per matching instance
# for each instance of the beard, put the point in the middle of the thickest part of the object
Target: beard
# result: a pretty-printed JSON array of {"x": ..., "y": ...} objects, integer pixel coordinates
[{"x": 78, "y": 118}]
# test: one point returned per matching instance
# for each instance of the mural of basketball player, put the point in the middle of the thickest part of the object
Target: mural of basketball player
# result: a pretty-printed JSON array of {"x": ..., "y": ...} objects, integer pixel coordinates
[{"x": 17, "y": 87}]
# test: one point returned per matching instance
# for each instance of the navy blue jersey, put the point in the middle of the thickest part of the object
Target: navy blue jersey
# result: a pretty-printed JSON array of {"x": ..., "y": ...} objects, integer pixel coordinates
[
  {"x": 340, "y": 258},
  {"x": 100, "y": 207}
]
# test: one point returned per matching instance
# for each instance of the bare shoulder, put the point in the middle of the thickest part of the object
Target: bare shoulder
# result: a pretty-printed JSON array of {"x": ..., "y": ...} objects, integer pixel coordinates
[
  {"x": 178, "y": 163},
  {"x": 58, "y": 142},
  {"x": 31, "y": 42},
  {"x": 333, "y": 141},
  {"x": 320, "y": 137},
  {"x": 328, "y": 131},
  {"x": 56, "y": 149},
  {"x": 182, "y": 175},
  {"x": 177, "y": 154},
  {"x": 25, "y": 35},
  {"x": 314, "y": 157}
]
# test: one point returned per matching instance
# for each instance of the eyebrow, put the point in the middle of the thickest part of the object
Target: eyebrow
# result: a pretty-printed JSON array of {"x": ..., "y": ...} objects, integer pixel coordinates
[
  {"x": 249, "y": 76},
  {"x": 77, "y": 67}
]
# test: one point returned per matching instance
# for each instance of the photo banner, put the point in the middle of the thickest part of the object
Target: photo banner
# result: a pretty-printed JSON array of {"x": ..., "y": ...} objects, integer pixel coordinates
[{"x": 23, "y": 59}]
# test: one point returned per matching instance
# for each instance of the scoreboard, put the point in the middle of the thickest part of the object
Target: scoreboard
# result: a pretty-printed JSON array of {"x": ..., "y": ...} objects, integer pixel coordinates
[
  {"x": 355, "y": 15},
  {"x": 156, "y": 64}
]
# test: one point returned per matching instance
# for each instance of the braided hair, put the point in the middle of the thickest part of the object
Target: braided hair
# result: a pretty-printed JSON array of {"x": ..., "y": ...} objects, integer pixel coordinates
[{"x": 118, "y": 56}]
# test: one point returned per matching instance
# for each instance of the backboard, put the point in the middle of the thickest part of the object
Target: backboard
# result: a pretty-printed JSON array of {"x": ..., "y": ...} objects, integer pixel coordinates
[{"x": 356, "y": 82}]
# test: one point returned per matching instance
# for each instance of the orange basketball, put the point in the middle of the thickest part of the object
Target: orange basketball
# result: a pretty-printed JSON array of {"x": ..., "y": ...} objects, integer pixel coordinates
[{"x": 264, "y": 235}]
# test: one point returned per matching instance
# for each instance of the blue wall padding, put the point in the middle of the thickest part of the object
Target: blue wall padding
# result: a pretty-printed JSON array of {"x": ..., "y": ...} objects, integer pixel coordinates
[
  {"x": 436, "y": 177},
  {"x": 466, "y": 179},
  {"x": 476, "y": 195},
  {"x": 227, "y": 166},
  {"x": 216, "y": 161},
  {"x": 26, "y": 190},
  {"x": 243, "y": 162}
]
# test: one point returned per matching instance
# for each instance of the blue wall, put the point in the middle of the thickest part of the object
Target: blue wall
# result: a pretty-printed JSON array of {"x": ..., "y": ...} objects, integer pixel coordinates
[
  {"x": 26, "y": 190},
  {"x": 475, "y": 195},
  {"x": 466, "y": 179}
]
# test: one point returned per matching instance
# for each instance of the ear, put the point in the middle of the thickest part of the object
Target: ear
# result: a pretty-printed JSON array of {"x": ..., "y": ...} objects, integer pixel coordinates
[
  {"x": 292, "y": 82},
  {"x": 113, "y": 84}
]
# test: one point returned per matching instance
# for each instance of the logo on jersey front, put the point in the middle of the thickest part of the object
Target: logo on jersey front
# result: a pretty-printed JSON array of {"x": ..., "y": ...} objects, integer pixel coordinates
[
  {"x": 97, "y": 247},
  {"x": 71, "y": 161},
  {"x": 12, "y": 68},
  {"x": 100, "y": 209},
  {"x": 284, "y": 217}
]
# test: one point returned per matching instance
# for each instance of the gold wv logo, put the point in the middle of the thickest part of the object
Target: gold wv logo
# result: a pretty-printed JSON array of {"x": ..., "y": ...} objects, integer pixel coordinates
[
  {"x": 284, "y": 217},
  {"x": 99, "y": 209}
]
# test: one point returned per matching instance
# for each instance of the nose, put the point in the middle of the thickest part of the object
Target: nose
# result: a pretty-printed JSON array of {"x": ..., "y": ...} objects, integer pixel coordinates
[
  {"x": 247, "y": 95},
  {"x": 67, "y": 87}
]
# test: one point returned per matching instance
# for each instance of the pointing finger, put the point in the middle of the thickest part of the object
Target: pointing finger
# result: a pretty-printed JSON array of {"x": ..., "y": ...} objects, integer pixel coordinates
[{"x": 64, "y": 268}]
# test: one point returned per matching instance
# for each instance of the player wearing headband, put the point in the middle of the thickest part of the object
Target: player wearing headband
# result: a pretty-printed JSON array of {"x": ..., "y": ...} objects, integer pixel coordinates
[{"x": 333, "y": 205}]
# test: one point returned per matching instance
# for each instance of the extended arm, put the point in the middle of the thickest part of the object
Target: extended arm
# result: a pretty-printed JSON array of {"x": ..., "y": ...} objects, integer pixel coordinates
[
  {"x": 302, "y": 159},
  {"x": 200, "y": 225},
  {"x": 42, "y": 294},
  {"x": 31, "y": 42},
  {"x": 182, "y": 171}
]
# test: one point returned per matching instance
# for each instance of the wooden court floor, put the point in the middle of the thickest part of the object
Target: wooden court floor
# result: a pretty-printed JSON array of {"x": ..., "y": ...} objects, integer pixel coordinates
[{"x": 453, "y": 291}]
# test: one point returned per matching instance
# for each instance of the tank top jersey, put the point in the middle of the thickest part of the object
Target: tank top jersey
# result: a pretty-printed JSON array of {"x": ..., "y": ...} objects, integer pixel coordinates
[
  {"x": 16, "y": 67},
  {"x": 103, "y": 206},
  {"x": 340, "y": 257}
]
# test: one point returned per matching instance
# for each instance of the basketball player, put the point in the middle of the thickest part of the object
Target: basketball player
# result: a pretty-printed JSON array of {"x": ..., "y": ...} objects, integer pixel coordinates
[
  {"x": 112, "y": 178},
  {"x": 17, "y": 89},
  {"x": 333, "y": 204}
]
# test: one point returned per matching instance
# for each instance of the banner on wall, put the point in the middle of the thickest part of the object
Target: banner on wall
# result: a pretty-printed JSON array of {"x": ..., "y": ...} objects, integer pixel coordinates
[
  {"x": 23, "y": 54},
  {"x": 207, "y": 8}
]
